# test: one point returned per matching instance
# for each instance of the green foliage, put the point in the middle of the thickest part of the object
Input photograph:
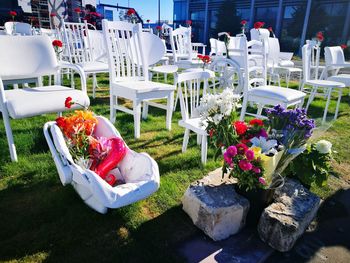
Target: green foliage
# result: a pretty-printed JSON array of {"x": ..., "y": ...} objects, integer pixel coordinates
[{"x": 311, "y": 167}]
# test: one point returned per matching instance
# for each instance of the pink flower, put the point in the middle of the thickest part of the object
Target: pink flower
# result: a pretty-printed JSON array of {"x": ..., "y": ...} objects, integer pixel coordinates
[
  {"x": 227, "y": 158},
  {"x": 250, "y": 155},
  {"x": 232, "y": 150},
  {"x": 262, "y": 180},
  {"x": 256, "y": 170},
  {"x": 245, "y": 165}
]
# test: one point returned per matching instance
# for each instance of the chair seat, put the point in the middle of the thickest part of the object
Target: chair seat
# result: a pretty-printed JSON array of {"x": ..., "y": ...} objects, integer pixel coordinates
[
  {"x": 277, "y": 93},
  {"x": 28, "y": 102},
  {"x": 194, "y": 124},
  {"x": 143, "y": 86},
  {"x": 325, "y": 83},
  {"x": 286, "y": 63},
  {"x": 94, "y": 66},
  {"x": 167, "y": 69},
  {"x": 343, "y": 78}
]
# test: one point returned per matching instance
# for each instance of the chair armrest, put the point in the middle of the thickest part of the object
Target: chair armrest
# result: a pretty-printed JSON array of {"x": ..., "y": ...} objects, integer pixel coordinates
[
  {"x": 2, "y": 95},
  {"x": 345, "y": 65},
  {"x": 79, "y": 70}
]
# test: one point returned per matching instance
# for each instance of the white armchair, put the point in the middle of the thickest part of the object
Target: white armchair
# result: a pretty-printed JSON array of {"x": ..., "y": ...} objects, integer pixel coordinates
[{"x": 27, "y": 58}]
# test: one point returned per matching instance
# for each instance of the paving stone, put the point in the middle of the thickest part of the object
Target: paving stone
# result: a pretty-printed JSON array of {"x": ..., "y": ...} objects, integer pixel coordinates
[
  {"x": 285, "y": 220},
  {"x": 214, "y": 206}
]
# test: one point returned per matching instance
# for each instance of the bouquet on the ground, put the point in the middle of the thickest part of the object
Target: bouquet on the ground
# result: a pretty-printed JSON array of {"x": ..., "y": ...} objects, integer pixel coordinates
[{"x": 99, "y": 154}]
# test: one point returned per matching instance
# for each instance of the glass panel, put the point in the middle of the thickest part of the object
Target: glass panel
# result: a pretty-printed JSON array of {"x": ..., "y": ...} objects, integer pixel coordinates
[
  {"x": 180, "y": 10},
  {"x": 267, "y": 15}
]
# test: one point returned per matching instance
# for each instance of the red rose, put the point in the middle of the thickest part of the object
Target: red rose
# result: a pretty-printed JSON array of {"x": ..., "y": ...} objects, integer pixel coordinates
[
  {"x": 95, "y": 14},
  {"x": 244, "y": 22},
  {"x": 320, "y": 36},
  {"x": 270, "y": 29},
  {"x": 258, "y": 25},
  {"x": 240, "y": 127},
  {"x": 199, "y": 56},
  {"x": 343, "y": 46},
  {"x": 53, "y": 15},
  {"x": 159, "y": 28},
  {"x": 256, "y": 122},
  {"x": 188, "y": 22},
  {"x": 77, "y": 10},
  {"x": 68, "y": 102},
  {"x": 57, "y": 43},
  {"x": 206, "y": 59},
  {"x": 13, "y": 13},
  {"x": 131, "y": 12}
]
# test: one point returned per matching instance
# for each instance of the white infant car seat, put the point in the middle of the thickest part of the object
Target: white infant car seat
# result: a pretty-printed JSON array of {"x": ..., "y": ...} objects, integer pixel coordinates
[{"x": 138, "y": 171}]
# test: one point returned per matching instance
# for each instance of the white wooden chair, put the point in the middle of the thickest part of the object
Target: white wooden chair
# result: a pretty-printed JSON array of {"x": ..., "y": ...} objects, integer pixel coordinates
[
  {"x": 217, "y": 47},
  {"x": 190, "y": 93},
  {"x": 81, "y": 50},
  {"x": 256, "y": 90},
  {"x": 318, "y": 86},
  {"x": 138, "y": 171},
  {"x": 129, "y": 57},
  {"x": 21, "y": 28},
  {"x": 32, "y": 57}
]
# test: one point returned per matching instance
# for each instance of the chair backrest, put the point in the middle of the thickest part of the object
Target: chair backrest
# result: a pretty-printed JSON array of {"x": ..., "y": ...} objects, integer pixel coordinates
[
  {"x": 259, "y": 34},
  {"x": 180, "y": 41},
  {"x": 190, "y": 93},
  {"x": 217, "y": 47},
  {"x": 19, "y": 27},
  {"x": 26, "y": 57},
  {"x": 98, "y": 46},
  {"x": 334, "y": 56},
  {"x": 125, "y": 57},
  {"x": 77, "y": 42},
  {"x": 273, "y": 52},
  {"x": 310, "y": 58}
]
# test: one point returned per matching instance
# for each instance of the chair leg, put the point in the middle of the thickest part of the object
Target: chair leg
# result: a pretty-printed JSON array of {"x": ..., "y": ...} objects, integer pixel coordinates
[
  {"x": 288, "y": 78},
  {"x": 72, "y": 84},
  {"x": 169, "y": 111},
  {"x": 311, "y": 98},
  {"x": 338, "y": 103},
  {"x": 244, "y": 108},
  {"x": 94, "y": 85},
  {"x": 300, "y": 75},
  {"x": 204, "y": 149},
  {"x": 185, "y": 142},
  {"x": 9, "y": 136},
  {"x": 260, "y": 108},
  {"x": 137, "y": 118},
  {"x": 327, "y": 105},
  {"x": 113, "y": 100},
  {"x": 176, "y": 99},
  {"x": 199, "y": 139},
  {"x": 145, "y": 110}
]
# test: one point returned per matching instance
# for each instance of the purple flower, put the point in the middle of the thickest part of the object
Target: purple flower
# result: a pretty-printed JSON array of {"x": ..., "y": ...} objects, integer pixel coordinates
[
  {"x": 256, "y": 170},
  {"x": 250, "y": 155},
  {"x": 232, "y": 150},
  {"x": 263, "y": 133},
  {"x": 262, "y": 181},
  {"x": 227, "y": 158}
]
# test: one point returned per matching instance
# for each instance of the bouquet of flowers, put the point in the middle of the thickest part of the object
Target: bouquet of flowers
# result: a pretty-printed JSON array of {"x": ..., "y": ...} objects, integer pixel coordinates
[
  {"x": 217, "y": 111},
  {"x": 98, "y": 154}
]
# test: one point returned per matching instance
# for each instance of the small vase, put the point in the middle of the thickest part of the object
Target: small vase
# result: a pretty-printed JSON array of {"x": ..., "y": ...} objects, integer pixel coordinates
[{"x": 259, "y": 199}]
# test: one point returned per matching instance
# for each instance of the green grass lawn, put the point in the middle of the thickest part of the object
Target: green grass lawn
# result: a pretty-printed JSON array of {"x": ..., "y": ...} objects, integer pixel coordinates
[{"x": 40, "y": 220}]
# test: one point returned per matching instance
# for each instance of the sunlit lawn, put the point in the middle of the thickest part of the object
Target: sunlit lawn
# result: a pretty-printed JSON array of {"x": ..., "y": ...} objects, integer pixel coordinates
[{"x": 40, "y": 220}]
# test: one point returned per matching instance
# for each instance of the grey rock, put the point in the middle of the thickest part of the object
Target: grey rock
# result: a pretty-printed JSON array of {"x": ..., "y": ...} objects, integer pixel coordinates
[
  {"x": 285, "y": 220},
  {"x": 214, "y": 206}
]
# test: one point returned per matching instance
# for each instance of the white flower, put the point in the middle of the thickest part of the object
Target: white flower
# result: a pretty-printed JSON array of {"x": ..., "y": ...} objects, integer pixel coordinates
[
  {"x": 265, "y": 145},
  {"x": 323, "y": 146},
  {"x": 217, "y": 118}
]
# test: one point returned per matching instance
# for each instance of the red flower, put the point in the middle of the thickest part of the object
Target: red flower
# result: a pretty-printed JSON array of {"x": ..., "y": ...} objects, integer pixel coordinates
[
  {"x": 199, "y": 56},
  {"x": 270, "y": 29},
  {"x": 131, "y": 12},
  {"x": 241, "y": 148},
  {"x": 211, "y": 133},
  {"x": 240, "y": 127},
  {"x": 206, "y": 59},
  {"x": 57, "y": 43},
  {"x": 244, "y": 22},
  {"x": 68, "y": 102},
  {"x": 61, "y": 122},
  {"x": 188, "y": 22},
  {"x": 343, "y": 46},
  {"x": 159, "y": 28},
  {"x": 259, "y": 24},
  {"x": 53, "y": 15},
  {"x": 245, "y": 165},
  {"x": 256, "y": 122},
  {"x": 13, "y": 13},
  {"x": 77, "y": 10},
  {"x": 320, "y": 36},
  {"x": 95, "y": 14}
]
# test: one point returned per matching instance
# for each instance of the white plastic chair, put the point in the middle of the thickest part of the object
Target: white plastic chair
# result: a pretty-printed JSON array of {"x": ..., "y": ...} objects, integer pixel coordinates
[
  {"x": 256, "y": 89},
  {"x": 325, "y": 87},
  {"x": 32, "y": 57},
  {"x": 82, "y": 48},
  {"x": 138, "y": 171},
  {"x": 129, "y": 55},
  {"x": 21, "y": 28},
  {"x": 335, "y": 61},
  {"x": 190, "y": 93}
]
